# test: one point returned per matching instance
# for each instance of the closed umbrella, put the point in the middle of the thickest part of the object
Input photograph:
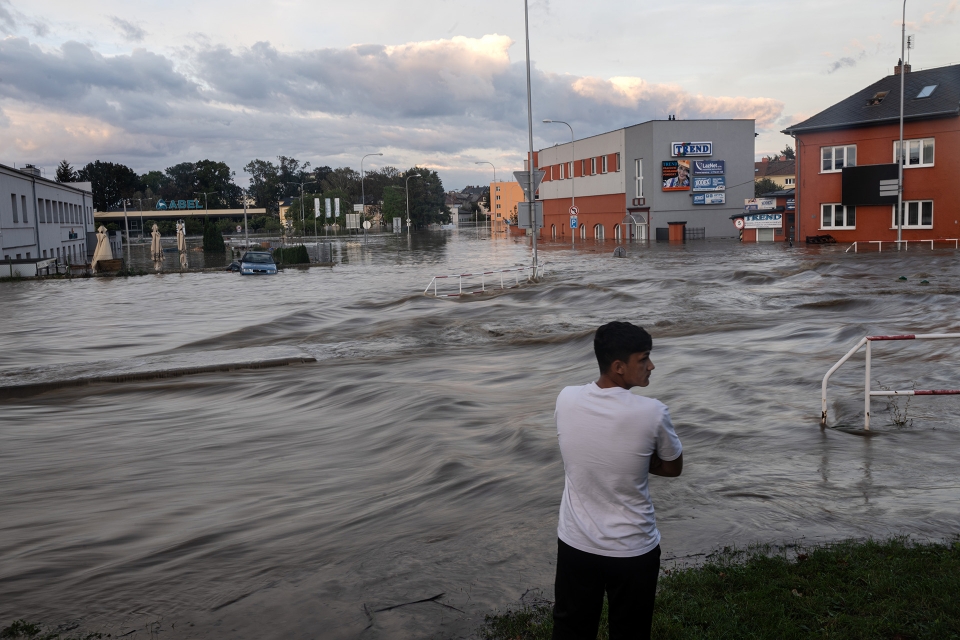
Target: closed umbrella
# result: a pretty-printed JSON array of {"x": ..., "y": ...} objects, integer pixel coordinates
[
  {"x": 181, "y": 240},
  {"x": 103, "y": 251},
  {"x": 155, "y": 247}
]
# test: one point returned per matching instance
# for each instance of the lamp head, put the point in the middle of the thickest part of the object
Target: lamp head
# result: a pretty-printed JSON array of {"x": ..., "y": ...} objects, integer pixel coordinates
[{"x": 548, "y": 121}]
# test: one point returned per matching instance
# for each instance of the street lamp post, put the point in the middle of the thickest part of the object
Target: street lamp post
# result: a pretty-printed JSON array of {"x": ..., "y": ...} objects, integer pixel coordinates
[
  {"x": 573, "y": 172},
  {"x": 901, "y": 154},
  {"x": 363, "y": 193},
  {"x": 530, "y": 192},
  {"x": 246, "y": 232},
  {"x": 490, "y": 214},
  {"x": 409, "y": 222},
  {"x": 204, "y": 194}
]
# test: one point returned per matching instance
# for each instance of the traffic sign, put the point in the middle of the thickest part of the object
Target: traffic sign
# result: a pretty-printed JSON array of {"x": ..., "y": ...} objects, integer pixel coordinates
[
  {"x": 523, "y": 177},
  {"x": 738, "y": 223},
  {"x": 239, "y": 228},
  {"x": 366, "y": 224},
  {"x": 573, "y": 222},
  {"x": 574, "y": 211}
]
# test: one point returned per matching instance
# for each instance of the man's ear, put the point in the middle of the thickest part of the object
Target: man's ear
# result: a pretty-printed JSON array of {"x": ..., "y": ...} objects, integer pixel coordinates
[{"x": 618, "y": 367}]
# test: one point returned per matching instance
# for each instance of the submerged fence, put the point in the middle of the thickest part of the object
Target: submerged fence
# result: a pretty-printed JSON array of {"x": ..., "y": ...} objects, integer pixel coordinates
[{"x": 489, "y": 280}]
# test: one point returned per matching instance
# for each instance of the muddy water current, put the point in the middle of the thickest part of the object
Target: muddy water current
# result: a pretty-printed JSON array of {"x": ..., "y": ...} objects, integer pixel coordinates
[{"x": 417, "y": 455}]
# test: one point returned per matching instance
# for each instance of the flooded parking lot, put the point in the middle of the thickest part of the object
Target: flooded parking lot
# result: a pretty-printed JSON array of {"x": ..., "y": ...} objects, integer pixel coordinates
[{"x": 417, "y": 455}]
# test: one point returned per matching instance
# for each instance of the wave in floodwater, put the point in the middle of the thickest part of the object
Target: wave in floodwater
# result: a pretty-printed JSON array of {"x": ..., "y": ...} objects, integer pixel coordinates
[{"x": 158, "y": 473}]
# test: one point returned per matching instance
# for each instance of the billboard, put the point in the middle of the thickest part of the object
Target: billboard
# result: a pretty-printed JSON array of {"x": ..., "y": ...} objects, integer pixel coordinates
[
  {"x": 709, "y": 183},
  {"x": 676, "y": 175},
  {"x": 718, "y": 197},
  {"x": 869, "y": 184},
  {"x": 763, "y": 221},
  {"x": 759, "y": 204},
  {"x": 683, "y": 149},
  {"x": 709, "y": 167}
]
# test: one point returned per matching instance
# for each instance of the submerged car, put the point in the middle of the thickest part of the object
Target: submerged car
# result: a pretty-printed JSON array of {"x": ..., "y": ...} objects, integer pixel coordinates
[{"x": 257, "y": 263}]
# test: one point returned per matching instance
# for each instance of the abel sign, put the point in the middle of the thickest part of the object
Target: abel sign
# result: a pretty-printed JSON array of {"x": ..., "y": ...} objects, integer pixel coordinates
[{"x": 684, "y": 149}]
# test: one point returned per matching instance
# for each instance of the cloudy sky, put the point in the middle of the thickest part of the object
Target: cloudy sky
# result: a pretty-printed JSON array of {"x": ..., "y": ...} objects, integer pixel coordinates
[{"x": 438, "y": 83}]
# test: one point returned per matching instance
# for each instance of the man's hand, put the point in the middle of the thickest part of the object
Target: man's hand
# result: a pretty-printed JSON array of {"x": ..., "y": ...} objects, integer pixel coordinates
[{"x": 670, "y": 469}]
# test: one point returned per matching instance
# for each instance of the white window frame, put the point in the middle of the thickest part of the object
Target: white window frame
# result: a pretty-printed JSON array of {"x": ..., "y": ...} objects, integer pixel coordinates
[
  {"x": 570, "y": 169},
  {"x": 603, "y": 164},
  {"x": 789, "y": 181},
  {"x": 618, "y": 162},
  {"x": 844, "y": 150},
  {"x": 593, "y": 166},
  {"x": 833, "y": 216},
  {"x": 918, "y": 206},
  {"x": 563, "y": 170},
  {"x": 921, "y": 145},
  {"x": 638, "y": 167}
]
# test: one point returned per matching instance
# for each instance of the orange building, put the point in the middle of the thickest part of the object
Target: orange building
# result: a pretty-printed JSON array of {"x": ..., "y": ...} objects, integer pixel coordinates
[
  {"x": 504, "y": 197},
  {"x": 862, "y": 131}
]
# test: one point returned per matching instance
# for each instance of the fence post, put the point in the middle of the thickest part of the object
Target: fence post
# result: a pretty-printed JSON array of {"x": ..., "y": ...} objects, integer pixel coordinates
[{"x": 866, "y": 385}]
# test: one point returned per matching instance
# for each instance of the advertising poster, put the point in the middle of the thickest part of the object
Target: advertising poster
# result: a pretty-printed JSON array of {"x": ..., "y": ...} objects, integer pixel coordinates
[
  {"x": 336, "y": 207},
  {"x": 326, "y": 206},
  {"x": 709, "y": 167},
  {"x": 763, "y": 221},
  {"x": 316, "y": 207},
  {"x": 681, "y": 149},
  {"x": 718, "y": 197},
  {"x": 759, "y": 204},
  {"x": 676, "y": 175},
  {"x": 709, "y": 183}
]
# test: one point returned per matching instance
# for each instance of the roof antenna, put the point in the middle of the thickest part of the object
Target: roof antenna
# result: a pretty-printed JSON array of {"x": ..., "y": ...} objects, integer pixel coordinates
[{"x": 909, "y": 47}]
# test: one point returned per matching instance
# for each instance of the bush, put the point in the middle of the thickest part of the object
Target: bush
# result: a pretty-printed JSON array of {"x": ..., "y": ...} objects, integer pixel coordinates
[
  {"x": 212, "y": 239},
  {"x": 292, "y": 255}
]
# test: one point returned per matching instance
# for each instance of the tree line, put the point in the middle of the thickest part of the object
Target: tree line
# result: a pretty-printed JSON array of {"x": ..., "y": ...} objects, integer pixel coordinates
[{"x": 212, "y": 184}]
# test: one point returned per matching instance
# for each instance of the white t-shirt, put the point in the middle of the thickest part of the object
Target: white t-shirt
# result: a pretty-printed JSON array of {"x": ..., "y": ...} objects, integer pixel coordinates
[{"x": 606, "y": 439}]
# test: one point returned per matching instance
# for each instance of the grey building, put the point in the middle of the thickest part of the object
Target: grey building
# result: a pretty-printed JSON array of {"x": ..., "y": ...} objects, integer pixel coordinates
[
  {"x": 43, "y": 222},
  {"x": 629, "y": 183}
]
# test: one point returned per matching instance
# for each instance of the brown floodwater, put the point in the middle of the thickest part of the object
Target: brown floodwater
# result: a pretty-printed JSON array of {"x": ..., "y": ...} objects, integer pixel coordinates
[{"x": 417, "y": 455}]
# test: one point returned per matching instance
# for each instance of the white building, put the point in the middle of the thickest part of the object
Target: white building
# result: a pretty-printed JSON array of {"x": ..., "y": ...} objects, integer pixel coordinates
[{"x": 43, "y": 222}]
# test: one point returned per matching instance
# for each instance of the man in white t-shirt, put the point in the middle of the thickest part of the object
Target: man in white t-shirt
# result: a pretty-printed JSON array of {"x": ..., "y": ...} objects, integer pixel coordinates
[{"x": 610, "y": 440}]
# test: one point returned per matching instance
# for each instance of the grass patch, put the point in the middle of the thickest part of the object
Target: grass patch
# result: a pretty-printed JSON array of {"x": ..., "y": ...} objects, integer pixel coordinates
[
  {"x": 893, "y": 589},
  {"x": 30, "y": 631}
]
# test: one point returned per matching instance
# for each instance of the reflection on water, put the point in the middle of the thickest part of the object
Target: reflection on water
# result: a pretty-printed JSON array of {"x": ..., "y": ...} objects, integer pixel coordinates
[{"x": 418, "y": 455}]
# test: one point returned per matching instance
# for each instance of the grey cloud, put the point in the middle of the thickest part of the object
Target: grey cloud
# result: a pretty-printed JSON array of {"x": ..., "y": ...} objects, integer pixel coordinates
[
  {"x": 430, "y": 102},
  {"x": 7, "y": 21},
  {"x": 128, "y": 30},
  {"x": 836, "y": 65}
]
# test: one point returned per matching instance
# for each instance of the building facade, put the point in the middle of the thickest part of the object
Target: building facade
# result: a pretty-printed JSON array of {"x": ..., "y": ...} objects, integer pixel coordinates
[
  {"x": 504, "y": 197},
  {"x": 781, "y": 171},
  {"x": 42, "y": 220},
  {"x": 629, "y": 183},
  {"x": 863, "y": 131}
]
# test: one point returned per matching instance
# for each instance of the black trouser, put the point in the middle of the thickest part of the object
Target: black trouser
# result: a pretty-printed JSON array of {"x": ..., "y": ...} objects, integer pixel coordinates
[{"x": 631, "y": 586}]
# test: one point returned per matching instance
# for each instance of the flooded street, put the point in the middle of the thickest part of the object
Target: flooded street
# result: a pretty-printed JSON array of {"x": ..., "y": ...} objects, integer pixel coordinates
[{"x": 418, "y": 456}]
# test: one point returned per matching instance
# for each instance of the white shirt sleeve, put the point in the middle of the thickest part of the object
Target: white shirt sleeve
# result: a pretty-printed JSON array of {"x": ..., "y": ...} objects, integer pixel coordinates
[{"x": 668, "y": 444}]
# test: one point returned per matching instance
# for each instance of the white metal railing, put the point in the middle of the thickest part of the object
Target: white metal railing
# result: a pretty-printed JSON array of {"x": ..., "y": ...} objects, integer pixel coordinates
[
  {"x": 867, "y": 393},
  {"x": 516, "y": 271},
  {"x": 905, "y": 243}
]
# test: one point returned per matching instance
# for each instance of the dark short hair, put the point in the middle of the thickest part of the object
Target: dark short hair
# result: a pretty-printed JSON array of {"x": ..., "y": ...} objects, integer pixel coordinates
[{"x": 617, "y": 341}]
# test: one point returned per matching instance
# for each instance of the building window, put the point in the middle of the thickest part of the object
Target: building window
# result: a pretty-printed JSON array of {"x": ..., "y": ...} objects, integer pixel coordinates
[
  {"x": 583, "y": 168},
  {"x": 23, "y": 207},
  {"x": 618, "y": 162},
  {"x": 498, "y": 189},
  {"x": 13, "y": 205},
  {"x": 570, "y": 169},
  {"x": 563, "y": 171},
  {"x": 919, "y": 214},
  {"x": 836, "y": 158},
  {"x": 593, "y": 166},
  {"x": 789, "y": 181},
  {"x": 837, "y": 216},
  {"x": 638, "y": 165},
  {"x": 603, "y": 164},
  {"x": 919, "y": 152},
  {"x": 927, "y": 91}
]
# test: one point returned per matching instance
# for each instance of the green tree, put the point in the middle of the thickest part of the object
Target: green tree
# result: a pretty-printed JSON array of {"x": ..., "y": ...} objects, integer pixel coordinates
[
  {"x": 427, "y": 198},
  {"x": 212, "y": 238},
  {"x": 764, "y": 185},
  {"x": 111, "y": 183},
  {"x": 394, "y": 204},
  {"x": 788, "y": 153},
  {"x": 264, "y": 183},
  {"x": 65, "y": 172}
]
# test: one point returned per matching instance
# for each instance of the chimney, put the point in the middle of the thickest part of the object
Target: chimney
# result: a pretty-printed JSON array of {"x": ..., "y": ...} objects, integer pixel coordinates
[
  {"x": 32, "y": 170},
  {"x": 765, "y": 160},
  {"x": 906, "y": 67}
]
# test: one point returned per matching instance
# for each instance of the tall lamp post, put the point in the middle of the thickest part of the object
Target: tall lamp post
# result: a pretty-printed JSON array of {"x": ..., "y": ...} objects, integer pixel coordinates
[
  {"x": 901, "y": 154},
  {"x": 410, "y": 222},
  {"x": 530, "y": 191},
  {"x": 490, "y": 214},
  {"x": 573, "y": 172},
  {"x": 363, "y": 193},
  {"x": 303, "y": 219},
  {"x": 204, "y": 194}
]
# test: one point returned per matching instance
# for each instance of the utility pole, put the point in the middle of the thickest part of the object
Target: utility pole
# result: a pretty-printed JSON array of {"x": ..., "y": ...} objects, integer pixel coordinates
[
  {"x": 901, "y": 155},
  {"x": 246, "y": 233}
]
